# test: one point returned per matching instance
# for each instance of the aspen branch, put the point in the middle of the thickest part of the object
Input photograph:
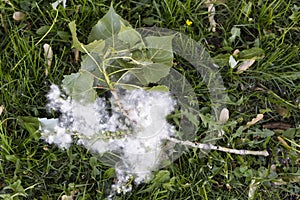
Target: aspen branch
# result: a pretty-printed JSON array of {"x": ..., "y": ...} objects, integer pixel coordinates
[{"x": 219, "y": 148}]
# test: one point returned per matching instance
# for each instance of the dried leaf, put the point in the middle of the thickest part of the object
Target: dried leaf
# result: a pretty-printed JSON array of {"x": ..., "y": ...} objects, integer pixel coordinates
[
  {"x": 236, "y": 52},
  {"x": 283, "y": 112},
  {"x": 245, "y": 65},
  {"x": 76, "y": 55},
  {"x": 224, "y": 116},
  {"x": 48, "y": 53},
  {"x": 18, "y": 16},
  {"x": 212, "y": 11},
  {"x": 65, "y": 197},
  {"x": 277, "y": 125},
  {"x": 252, "y": 188},
  {"x": 255, "y": 120},
  {"x": 1, "y": 109},
  {"x": 283, "y": 142}
]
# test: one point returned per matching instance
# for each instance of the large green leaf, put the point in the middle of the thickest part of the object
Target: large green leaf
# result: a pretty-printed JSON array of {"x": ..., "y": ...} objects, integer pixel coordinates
[
  {"x": 107, "y": 27},
  {"x": 80, "y": 86},
  {"x": 160, "y": 49},
  {"x": 150, "y": 73},
  {"x": 96, "y": 46},
  {"x": 131, "y": 37},
  {"x": 154, "y": 72}
]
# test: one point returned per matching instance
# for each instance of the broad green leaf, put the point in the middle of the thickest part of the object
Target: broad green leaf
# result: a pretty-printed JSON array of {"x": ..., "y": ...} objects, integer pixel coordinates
[
  {"x": 131, "y": 37},
  {"x": 139, "y": 74},
  {"x": 80, "y": 86},
  {"x": 107, "y": 27},
  {"x": 91, "y": 63},
  {"x": 160, "y": 49},
  {"x": 154, "y": 72},
  {"x": 31, "y": 124},
  {"x": 150, "y": 73},
  {"x": 96, "y": 46},
  {"x": 253, "y": 53}
]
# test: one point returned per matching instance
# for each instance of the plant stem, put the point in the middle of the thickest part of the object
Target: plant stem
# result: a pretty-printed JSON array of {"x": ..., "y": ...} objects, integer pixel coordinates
[{"x": 219, "y": 148}]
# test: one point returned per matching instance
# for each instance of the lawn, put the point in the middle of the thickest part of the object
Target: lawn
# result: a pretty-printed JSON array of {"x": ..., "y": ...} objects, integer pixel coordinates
[{"x": 256, "y": 47}]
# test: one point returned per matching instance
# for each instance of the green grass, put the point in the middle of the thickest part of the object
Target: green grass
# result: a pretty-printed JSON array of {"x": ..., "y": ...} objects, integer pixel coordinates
[{"x": 29, "y": 167}]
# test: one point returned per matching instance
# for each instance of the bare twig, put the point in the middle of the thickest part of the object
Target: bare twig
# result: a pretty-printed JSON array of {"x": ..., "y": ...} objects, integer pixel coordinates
[
  {"x": 123, "y": 111},
  {"x": 224, "y": 149}
]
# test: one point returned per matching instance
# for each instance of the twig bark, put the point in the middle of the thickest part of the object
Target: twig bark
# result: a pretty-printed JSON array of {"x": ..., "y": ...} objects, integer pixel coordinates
[{"x": 219, "y": 148}]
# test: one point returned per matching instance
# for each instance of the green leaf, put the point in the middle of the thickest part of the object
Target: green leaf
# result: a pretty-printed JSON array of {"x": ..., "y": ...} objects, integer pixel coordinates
[
  {"x": 253, "y": 53},
  {"x": 107, "y": 27},
  {"x": 154, "y": 72},
  {"x": 42, "y": 30},
  {"x": 64, "y": 35},
  {"x": 139, "y": 74},
  {"x": 131, "y": 37},
  {"x": 150, "y": 73},
  {"x": 31, "y": 124},
  {"x": 91, "y": 63},
  {"x": 96, "y": 46},
  {"x": 235, "y": 32},
  {"x": 160, "y": 49},
  {"x": 80, "y": 86}
]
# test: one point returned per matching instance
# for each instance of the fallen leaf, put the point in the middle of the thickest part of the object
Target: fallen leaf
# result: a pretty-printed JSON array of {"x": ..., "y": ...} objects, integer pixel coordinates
[
  {"x": 283, "y": 142},
  {"x": 18, "y": 16},
  {"x": 224, "y": 116},
  {"x": 245, "y": 65},
  {"x": 228, "y": 186},
  {"x": 76, "y": 55},
  {"x": 48, "y": 53},
  {"x": 211, "y": 14},
  {"x": 252, "y": 188},
  {"x": 232, "y": 62},
  {"x": 287, "y": 180},
  {"x": 1, "y": 109},
  {"x": 236, "y": 52},
  {"x": 255, "y": 120},
  {"x": 55, "y": 4},
  {"x": 277, "y": 125},
  {"x": 283, "y": 112},
  {"x": 65, "y": 197}
]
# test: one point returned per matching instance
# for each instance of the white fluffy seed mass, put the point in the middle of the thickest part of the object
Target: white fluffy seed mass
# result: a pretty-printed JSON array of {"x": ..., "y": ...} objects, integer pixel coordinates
[{"x": 102, "y": 127}]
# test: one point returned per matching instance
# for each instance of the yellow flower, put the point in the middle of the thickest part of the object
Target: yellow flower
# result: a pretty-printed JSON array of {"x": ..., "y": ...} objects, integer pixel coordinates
[{"x": 188, "y": 22}]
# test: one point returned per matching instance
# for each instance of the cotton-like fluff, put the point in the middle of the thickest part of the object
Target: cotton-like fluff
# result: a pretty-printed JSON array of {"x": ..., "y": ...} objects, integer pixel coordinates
[{"x": 144, "y": 129}]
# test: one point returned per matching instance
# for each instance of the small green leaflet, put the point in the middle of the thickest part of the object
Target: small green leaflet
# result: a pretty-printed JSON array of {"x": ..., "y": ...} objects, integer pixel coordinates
[{"x": 80, "y": 86}]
